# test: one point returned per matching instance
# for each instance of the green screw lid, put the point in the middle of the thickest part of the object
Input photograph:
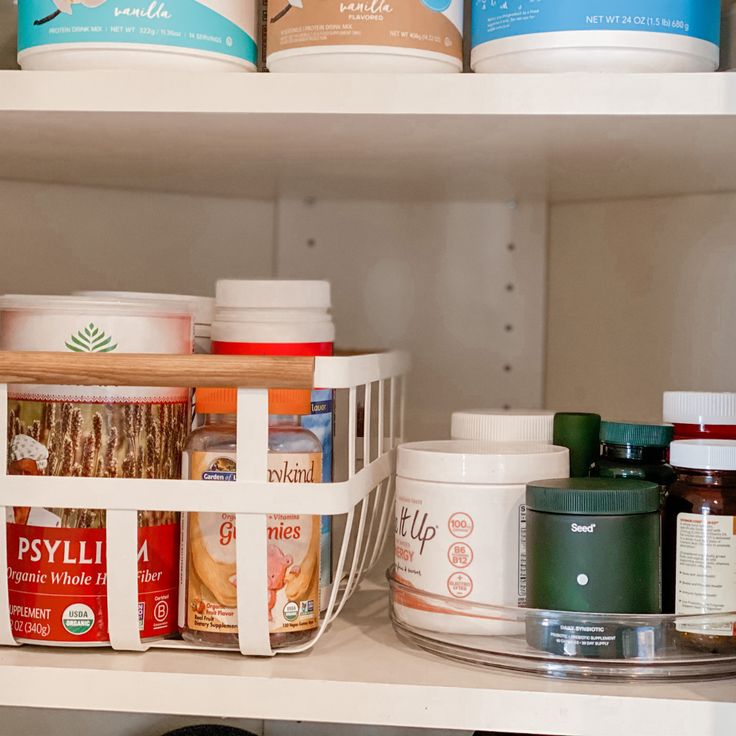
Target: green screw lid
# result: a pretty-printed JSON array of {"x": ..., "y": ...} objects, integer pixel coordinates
[
  {"x": 590, "y": 496},
  {"x": 580, "y": 434},
  {"x": 638, "y": 435}
]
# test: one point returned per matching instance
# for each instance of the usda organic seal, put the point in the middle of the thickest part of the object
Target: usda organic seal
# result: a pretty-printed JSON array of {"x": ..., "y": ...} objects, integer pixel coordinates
[
  {"x": 291, "y": 611},
  {"x": 78, "y": 619}
]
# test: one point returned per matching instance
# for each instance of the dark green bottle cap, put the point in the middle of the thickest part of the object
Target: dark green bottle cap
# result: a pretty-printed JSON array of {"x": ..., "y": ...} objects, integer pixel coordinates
[
  {"x": 580, "y": 433},
  {"x": 638, "y": 435},
  {"x": 590, "y": 496}
]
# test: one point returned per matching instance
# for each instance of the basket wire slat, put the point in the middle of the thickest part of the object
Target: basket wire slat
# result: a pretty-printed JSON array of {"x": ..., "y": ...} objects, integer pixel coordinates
[{"x": 6, "y": 632}]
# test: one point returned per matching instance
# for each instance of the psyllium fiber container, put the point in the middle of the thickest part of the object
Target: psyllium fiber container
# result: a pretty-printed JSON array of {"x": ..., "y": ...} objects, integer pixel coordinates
[
  {"x": 602, "y": 36},
  {"x": 284, "y": 318},
  {"x": 195, "y": 35},
  {"x": 460, "y": 526},
  {"x": 202, "y": 309},
  {"x": 56, "y": 556},
  {"x": 499, "y": 425},
  {"x": 365, "y": 36}
]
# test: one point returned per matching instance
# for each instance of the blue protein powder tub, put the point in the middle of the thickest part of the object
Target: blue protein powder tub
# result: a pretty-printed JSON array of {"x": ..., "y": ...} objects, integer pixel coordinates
[{"x": 595, "y": 35}]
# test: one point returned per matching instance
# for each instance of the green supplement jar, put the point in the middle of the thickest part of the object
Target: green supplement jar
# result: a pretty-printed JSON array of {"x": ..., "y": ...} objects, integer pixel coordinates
[
  {"x": 592, "y": 547},
  {"x": 636, "y": 451}
]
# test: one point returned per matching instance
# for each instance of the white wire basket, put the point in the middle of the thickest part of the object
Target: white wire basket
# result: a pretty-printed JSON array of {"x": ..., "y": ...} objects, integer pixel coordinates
[{"x": 371, "y": 387}]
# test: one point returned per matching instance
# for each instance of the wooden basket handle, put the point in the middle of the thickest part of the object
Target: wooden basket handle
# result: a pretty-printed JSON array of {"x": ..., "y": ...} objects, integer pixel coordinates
[{"x": 106, "y": 369}]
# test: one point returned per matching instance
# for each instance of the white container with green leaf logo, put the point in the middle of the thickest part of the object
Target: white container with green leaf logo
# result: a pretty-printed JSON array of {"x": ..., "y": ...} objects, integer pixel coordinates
[{"x": 91, "y": 431}]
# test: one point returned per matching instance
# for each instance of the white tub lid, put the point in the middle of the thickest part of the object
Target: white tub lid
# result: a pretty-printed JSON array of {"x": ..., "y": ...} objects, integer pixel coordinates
[
  {"x": 482, "y": 462},
  {"x": 499, "y": 425},
  {"x": 703, "y": 454},
  {"x": 88, "y": 304},
  {"x": 272, "y": 294},
  {"x": 202, "y": 308},
  {"x": 699, "y": 407}
]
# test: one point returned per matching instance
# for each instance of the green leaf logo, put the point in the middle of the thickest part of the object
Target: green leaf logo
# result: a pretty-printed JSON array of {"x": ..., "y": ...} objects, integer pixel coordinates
[{"x": 90, "y": 339}]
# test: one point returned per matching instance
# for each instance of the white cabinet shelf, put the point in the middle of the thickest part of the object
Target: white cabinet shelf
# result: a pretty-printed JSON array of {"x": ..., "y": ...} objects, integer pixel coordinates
[
  {"x": 562, "y": 137},
  {"x": 360, "y": 673},
  {"x": 393, "y": 138}
]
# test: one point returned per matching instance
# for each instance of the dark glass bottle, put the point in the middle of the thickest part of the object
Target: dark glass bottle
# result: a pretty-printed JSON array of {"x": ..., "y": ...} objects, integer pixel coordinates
[
  {"x": 637, "y": 451},
  {"x": 707, "y": 581}
]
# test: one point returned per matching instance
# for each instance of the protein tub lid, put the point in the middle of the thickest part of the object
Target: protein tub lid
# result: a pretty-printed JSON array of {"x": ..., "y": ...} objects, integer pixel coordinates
[
  {"x": 202, "y": 308},
  {"x": 704, "y": 454},
  {"x": 86, "y": 305},
  {"x": 500, "y": 425},
  {"x": 481, "y": 462},
  {"x": 699, "y": 407}
]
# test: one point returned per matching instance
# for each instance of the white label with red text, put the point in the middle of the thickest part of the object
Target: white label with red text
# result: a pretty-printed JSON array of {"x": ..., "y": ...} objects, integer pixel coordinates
[{"x": 457, "y": 541}]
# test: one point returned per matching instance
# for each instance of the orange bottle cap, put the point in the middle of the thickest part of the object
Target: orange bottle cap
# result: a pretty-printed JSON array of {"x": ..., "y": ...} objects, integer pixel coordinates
[
  {"x": 216, "y": 400},
  {"x": 289, "y": 401},
  {"x": 280, "y": 401}
]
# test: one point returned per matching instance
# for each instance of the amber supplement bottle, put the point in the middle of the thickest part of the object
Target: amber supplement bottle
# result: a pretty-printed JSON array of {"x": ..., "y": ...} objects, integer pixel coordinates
[{"x": 699, "y": 550}]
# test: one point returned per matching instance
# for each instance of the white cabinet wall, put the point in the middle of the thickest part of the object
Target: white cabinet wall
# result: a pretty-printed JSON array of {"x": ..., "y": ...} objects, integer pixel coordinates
[
  {"x": 641, "y": 300},
  {"x": 461, "y": 285},
  {"x": 637, "y": 298}
]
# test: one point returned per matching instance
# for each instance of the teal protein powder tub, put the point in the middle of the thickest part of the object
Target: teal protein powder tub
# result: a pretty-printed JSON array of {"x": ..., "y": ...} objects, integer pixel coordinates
[{"x": 155, "y": 35}]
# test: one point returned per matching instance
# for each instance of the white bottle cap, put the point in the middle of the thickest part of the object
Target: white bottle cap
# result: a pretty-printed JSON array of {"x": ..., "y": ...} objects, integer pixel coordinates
[
  {"x": 704, "y": 454},
  {"x": 483, "y": 463},
  {"x": 695, "y": 407},
  {"x": 273, "y": 294},
  {"x": 272, "y": 312},
  {"x": 503, "y": 426}
]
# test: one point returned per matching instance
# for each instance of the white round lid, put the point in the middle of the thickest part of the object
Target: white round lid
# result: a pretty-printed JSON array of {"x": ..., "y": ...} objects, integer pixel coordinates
[
  {"x": 703, "y": 454},
  {"x": 482, "y": 462},
  {"x": 500, "y": 425},
  {"x": 86, "y": 304},
  {"x": 698, "y": 407},
  {"x": 274, "y": 294},
  {"x": 202, "y": 308}
]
